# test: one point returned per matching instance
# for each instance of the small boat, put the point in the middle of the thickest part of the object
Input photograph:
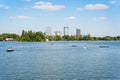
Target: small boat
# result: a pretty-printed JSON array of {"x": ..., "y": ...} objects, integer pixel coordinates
[
  {"x": 74, "y": 45},
  {"x": 10, "y": 50},
  {"x": 85, "y": 47},
  {"x": 104, "y": 46}
]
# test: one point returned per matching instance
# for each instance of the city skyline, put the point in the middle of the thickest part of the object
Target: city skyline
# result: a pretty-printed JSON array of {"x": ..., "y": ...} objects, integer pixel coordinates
[{"x": 95, "y": 17}]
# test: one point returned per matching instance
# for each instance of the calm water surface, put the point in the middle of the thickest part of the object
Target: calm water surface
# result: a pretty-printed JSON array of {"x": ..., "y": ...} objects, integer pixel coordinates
[{"x": 60, "y": 61}]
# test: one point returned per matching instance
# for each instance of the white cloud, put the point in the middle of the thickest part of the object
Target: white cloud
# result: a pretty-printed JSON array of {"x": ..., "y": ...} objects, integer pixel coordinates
[
  {"x": 4, "y": 6},
  {"x": 47, "y": 6},
  {"x": 71, "y": 18},
  {"x": 28, "y": 0},
  {"x": 19, "y": 17},
  {"x": 26, "y": 8},
  {"x": 1, "y": 5},
  {"x": 113, "y": 2},
  {"x": 79, "y": 9},
  {"x": 43, "y": 3},
  {"x": 100, "y": 18},
  {"x": 96, "y": 6}
]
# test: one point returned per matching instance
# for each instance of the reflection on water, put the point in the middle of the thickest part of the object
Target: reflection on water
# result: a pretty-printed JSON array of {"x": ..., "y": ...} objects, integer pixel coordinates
[{"x": 60, "y": 61}]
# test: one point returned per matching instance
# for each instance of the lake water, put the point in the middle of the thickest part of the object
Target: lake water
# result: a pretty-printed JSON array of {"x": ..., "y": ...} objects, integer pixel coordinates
[{"x": 60, "y": 61}]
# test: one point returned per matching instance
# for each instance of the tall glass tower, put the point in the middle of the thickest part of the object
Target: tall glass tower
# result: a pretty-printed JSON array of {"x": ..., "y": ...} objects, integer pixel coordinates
[
  {"x": 78, "y": 32},
  {"x": 48, "y": 30},
  {"x": 66, "y": 31}
]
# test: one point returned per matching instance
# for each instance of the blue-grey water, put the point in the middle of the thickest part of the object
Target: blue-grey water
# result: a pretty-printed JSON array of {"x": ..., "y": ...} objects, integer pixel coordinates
[{"x": 60, "y": 61}]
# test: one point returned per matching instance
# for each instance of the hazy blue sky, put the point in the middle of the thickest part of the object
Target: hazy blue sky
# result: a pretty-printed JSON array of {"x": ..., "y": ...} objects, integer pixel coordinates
[{"x": 95, "y": 17}]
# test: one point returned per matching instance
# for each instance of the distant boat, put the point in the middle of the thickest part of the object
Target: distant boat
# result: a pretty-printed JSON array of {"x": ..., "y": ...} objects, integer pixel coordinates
[
  {"x": 85, "y": 47},
  {"x": 10, "y": 50},
  {"x": 104, "y": 46},
  {"x": 74, "y": 45}
]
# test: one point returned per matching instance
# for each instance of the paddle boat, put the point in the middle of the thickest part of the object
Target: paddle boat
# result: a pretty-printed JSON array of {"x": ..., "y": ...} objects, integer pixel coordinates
[
  {"x": 74, "y": 45},
  {"x": 104, "y": 46},
  {"x": 10, "y": 50},
  {"x": 85, "y": 47}
]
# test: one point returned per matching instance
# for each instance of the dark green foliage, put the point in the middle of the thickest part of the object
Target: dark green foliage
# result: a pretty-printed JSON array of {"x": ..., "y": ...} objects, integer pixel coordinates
[
  {"x": 57, "y": 38},
  {"x": 32, "y": 36},
  {"x": 8, "y": 35},
  {"x": 66, "y": 37}
]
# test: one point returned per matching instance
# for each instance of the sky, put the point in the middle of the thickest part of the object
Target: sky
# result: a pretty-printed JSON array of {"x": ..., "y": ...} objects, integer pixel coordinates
[{"x": 95, "y": 17}]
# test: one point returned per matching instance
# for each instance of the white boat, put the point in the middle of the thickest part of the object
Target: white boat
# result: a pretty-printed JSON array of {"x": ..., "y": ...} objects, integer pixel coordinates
[
  {"x": 85, "y": 47},
  {"x": 10, "y": 50}
]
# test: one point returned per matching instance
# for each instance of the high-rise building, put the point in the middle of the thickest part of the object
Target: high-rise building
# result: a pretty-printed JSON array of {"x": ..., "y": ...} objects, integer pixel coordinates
[
  {"x": 78, "y": 32},
  {"x": 48, "y": 30},
  {"x": 66, "y": 31}
]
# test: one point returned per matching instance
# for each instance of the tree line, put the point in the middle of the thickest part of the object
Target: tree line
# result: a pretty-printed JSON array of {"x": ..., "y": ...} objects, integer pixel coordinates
[{"x": 31, "y": 36}]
